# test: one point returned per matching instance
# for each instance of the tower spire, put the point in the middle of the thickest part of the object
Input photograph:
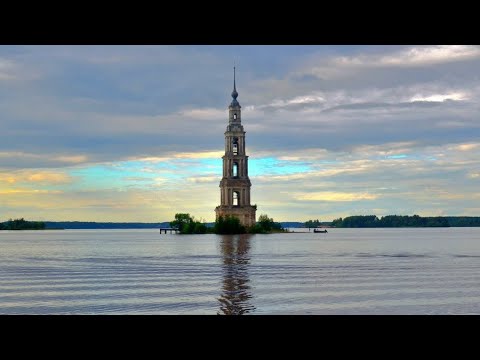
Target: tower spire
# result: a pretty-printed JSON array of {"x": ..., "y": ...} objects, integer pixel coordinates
[{"x": 234, "y": 92}]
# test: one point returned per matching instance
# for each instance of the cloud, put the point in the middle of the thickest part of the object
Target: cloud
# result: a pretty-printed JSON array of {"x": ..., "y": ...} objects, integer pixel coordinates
[
  {"x": 305, "y": 113},
  {"x": 269, "y": 179},
  {"x": 296, "y": 102},
  {"x": 72, "y": 159},
  {"x": 6, "y": 70},
  {"x": 467, "y": 147},
  {"x": 204, "y": 114},
  {"x": 199, "y": 155},
  {"x": 416, "y": 56},
  {"x": 335, "y": 196},
  {"x": 49, "y": 177},
  {"x": 363, "y": 128},
  {"x": 16, "y": 72},
  {"x": 338, "y": 184},
  {"x": 427, "y": 55},
  {"x": 28, "y": 192},
  {"x": 205, "y": 179},
  {"x": 35, "y": 177},
  {"x": 19, "y": 159},
  {"x": 441, "y": 97}
]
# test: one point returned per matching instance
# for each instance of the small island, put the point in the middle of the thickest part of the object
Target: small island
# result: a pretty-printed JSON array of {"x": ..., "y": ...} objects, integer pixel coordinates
[{"x": 187, "y": 224}]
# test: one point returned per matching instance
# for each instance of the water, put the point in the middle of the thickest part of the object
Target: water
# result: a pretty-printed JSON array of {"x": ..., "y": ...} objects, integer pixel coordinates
[{"x": 347, "y": 271}]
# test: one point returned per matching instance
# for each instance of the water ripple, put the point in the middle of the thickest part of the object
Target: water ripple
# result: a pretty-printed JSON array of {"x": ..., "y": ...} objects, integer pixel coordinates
[{"x": 137, "y": 272}]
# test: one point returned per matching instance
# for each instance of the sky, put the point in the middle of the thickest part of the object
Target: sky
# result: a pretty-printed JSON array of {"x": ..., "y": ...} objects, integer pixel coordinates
[{"x": 136, "y": 133}]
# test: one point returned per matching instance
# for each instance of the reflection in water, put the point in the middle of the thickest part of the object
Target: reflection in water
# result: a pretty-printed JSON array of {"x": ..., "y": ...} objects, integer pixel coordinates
[{"x": 236, "y": 292}]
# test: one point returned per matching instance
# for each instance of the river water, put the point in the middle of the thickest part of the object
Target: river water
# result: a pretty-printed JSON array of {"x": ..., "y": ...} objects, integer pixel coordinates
[{"x": 346, "y": 271}]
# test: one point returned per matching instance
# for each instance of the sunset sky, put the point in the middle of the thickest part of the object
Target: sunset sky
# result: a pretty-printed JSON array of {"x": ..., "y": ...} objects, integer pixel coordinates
[{"x": 136, "y": 133}]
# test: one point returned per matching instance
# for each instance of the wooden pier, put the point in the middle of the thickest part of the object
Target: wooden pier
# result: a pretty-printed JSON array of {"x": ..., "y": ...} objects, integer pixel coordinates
[{"x": 169, "y": 229}]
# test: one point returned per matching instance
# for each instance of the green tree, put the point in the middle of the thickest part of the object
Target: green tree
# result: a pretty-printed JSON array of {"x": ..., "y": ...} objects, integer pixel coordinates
[
  {"x": 337, "y": 222},
  {"x": 359, "y": 221},
  {"x": 200, "y": 228},
  {"x": 182, "y": 222},
  {"x": 265, "y": 225},
  {"x": 265, "y": 222},
  {"x": 188, "y": 225},
  {"x": 312, "y": 223},
  {"x": 229, "y": 225}
]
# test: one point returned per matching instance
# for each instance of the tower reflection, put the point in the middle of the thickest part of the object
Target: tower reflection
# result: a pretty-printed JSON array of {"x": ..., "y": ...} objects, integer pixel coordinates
[{"x": 236, "y": 292}]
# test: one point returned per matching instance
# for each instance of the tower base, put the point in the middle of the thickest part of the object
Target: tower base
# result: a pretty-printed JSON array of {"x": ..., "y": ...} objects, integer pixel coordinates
[{"x": 246, "y": 214}]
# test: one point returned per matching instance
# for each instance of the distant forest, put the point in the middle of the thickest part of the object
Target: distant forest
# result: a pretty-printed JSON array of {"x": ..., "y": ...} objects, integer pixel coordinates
[
  {"x": 22, "y": 224},
  {"x": 372, "y": 221},
  {"x": 102, "y": 225},
  {"x": 369, "y": 221}
]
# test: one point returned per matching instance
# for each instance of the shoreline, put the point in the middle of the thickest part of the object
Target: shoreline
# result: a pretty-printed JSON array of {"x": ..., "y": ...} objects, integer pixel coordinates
[{"x": 38, "y": 229}]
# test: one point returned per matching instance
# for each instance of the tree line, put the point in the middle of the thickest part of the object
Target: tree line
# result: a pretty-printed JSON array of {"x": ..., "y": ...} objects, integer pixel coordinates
[
  {"x": 372, "y": 221},
  {"x": 22, "y": 224}
]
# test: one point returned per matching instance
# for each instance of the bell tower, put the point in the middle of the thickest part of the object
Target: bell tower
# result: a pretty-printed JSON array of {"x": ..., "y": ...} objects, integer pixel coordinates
[{"x": 235, "y": 184}]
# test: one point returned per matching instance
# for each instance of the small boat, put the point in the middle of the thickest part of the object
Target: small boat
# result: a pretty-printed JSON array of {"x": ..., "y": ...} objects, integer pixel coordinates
[{"x": 320, "y": 231}]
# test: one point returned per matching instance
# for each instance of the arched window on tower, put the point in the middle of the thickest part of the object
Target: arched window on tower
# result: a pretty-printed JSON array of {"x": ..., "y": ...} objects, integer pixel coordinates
[
  {"x": 235, "y": 116},
  {"x": 235, "y": 198},
  {"x": 235, "y": 169},
  {"x": 235, "y": 146}
]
